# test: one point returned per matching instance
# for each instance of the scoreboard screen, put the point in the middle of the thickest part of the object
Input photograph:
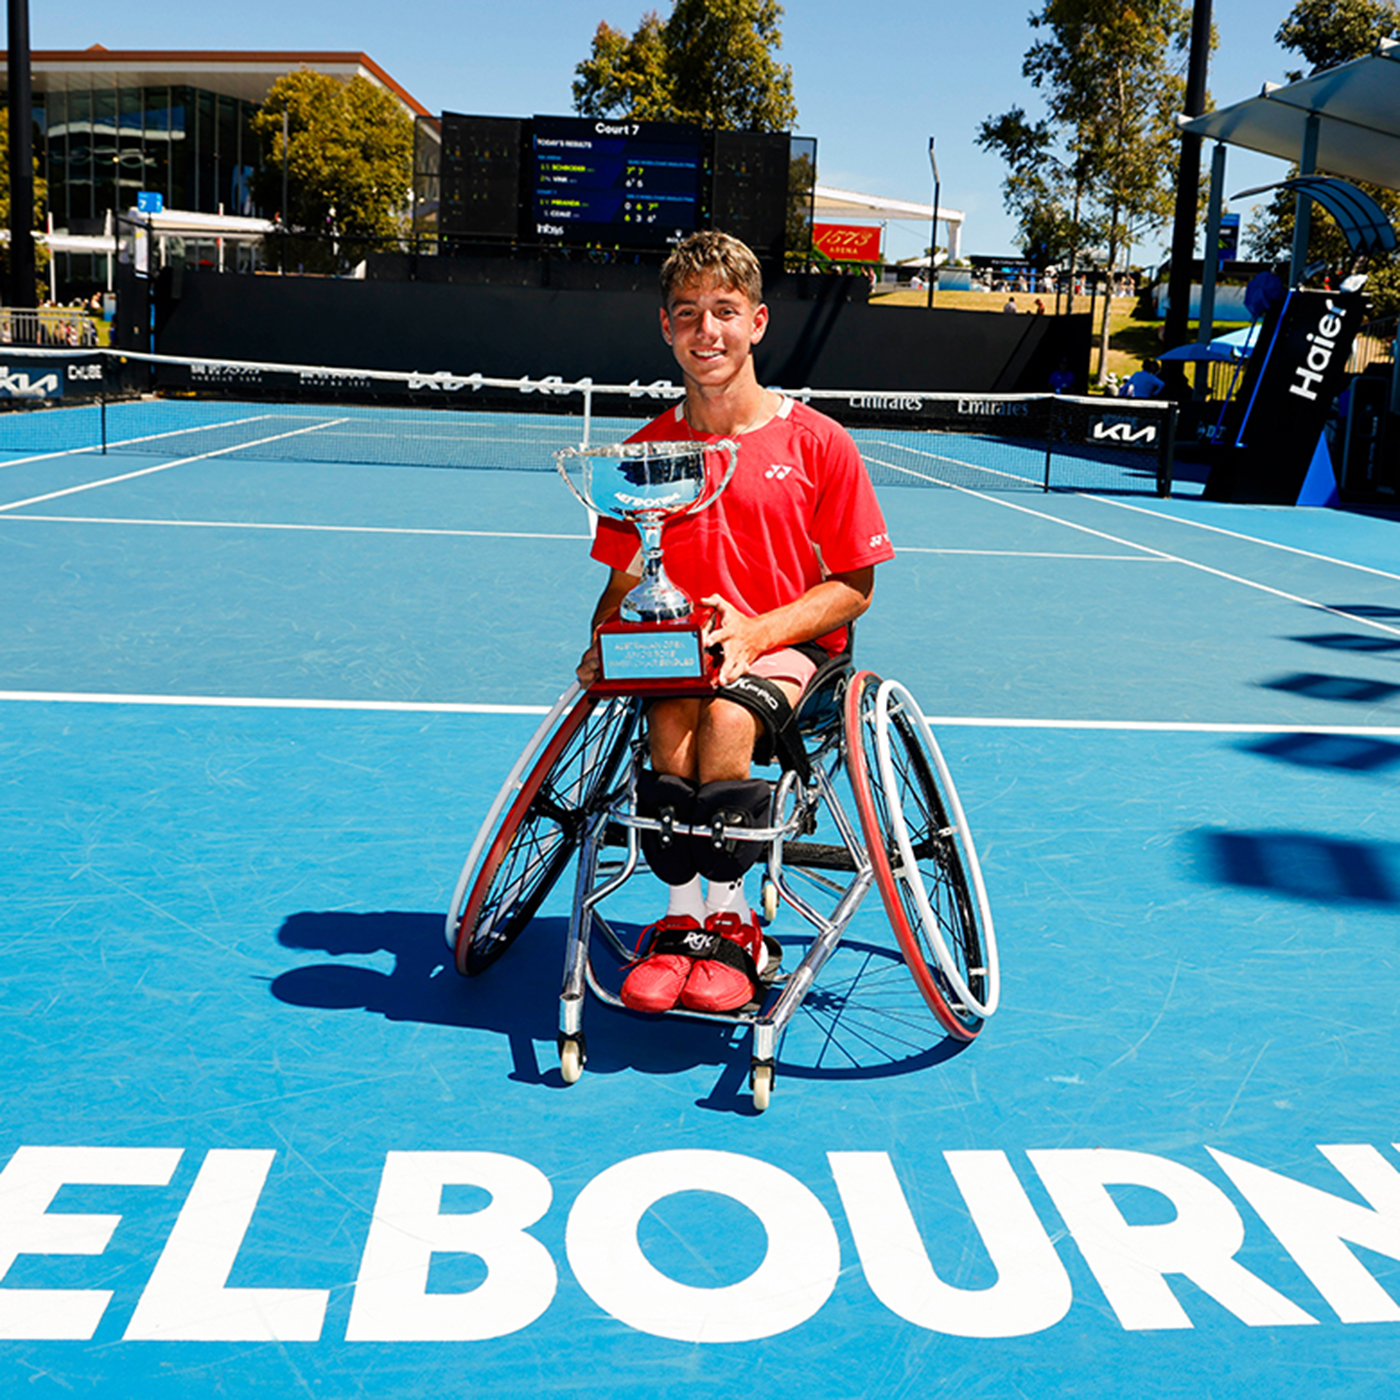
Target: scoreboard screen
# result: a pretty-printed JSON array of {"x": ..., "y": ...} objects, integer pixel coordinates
[{"x": 618, "y": 183}]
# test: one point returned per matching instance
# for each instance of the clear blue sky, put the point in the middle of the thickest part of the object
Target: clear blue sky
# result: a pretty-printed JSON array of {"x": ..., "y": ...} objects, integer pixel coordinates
[{"x": 871, "y": 84}]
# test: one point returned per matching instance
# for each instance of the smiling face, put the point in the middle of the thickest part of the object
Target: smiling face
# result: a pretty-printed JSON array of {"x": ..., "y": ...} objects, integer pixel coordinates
[{"x": 712, "y": 329}]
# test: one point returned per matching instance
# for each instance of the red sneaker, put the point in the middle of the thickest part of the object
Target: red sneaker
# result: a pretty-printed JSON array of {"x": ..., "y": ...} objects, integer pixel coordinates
[
  {"x": 655, "y": 983},
  {"x": 729, "y": 979}
]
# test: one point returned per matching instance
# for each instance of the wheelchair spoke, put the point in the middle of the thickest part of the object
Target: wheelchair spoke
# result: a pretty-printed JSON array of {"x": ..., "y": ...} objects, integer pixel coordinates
[{"x": 542, "y": 827}]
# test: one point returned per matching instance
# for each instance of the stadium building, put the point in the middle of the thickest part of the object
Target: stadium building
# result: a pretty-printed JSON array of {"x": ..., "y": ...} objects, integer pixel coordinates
[{"x": 110, "y": 124}]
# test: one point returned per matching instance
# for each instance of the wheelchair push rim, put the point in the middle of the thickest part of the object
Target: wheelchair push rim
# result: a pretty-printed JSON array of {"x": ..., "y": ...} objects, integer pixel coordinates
[
  {"x": 513, "y": 865},
  {"x": 921, "y": 848}
]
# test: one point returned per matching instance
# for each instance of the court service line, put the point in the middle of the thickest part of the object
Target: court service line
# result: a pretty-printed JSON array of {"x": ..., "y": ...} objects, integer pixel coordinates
[
  {"x": 164, "y": 466},
  {"x": 274, "y": 525},
  {"x": 1149, "y": 549},
  {"x": 434, "y": 707}
]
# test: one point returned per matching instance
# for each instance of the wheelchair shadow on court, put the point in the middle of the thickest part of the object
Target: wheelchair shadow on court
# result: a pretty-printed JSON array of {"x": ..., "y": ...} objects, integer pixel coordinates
[{"x": 861, "y": 1021}]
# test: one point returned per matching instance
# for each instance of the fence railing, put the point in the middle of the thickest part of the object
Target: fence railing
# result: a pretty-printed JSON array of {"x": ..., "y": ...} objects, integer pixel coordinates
[
  {"x": 1374, "y": 341},
  {"x": 57, "y": 326}
]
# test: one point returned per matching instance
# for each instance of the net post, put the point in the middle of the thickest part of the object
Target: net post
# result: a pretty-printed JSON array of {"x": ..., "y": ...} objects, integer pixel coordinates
[
  {"x": 587, "y": 410},
  {"x": 102, "y": 407},
  {"x": 1050, "y": 428},
  {"x": 1166, "y": 456}
]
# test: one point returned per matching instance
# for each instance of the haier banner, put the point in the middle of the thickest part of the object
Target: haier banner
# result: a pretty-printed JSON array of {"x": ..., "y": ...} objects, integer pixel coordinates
[
  {"x": 1296, "y": 370},
  {"x": 1303, "y": 365}
]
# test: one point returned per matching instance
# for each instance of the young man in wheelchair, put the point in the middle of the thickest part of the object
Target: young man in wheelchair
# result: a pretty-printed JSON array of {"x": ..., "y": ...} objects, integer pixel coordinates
[{"x": 786, "y": 559}]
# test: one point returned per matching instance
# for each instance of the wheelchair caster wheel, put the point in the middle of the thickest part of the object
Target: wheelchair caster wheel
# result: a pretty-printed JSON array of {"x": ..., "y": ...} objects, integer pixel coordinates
[
  {"x": 770, "y": 901},
  {"x": 571, "y": 1061},
  {"x": 762, "y": 1079}
]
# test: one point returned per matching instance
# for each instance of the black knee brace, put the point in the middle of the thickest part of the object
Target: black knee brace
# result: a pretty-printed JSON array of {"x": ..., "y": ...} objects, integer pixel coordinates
[
  {"x": 671, "y": 801},
  {"x": 737, "y": 802}
]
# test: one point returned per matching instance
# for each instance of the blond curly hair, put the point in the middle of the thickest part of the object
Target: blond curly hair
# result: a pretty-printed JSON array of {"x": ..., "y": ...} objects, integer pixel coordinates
[{"x": 712, "y": 256}]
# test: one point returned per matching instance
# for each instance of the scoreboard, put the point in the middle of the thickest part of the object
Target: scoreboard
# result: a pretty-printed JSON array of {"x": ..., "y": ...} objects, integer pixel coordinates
[
  {"x": 609, "y": 183},
  {"x": 615, "y": 182}
]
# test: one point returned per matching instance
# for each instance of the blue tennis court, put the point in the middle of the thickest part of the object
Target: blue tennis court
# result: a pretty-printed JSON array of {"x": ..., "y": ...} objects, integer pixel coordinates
[{"x": 260, "y": 1134}]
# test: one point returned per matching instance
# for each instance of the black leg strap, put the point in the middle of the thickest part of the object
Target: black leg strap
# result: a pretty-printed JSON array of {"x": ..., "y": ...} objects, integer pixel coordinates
[{"x": 779, "y": 739}]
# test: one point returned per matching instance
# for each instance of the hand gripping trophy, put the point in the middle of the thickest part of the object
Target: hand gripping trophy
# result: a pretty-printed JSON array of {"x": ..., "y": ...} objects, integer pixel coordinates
[{"x": 657, "y": 639}]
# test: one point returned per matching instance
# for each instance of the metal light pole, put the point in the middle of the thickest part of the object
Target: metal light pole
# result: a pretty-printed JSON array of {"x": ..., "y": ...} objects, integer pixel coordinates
[
  {"x": 933, "y": 242},
  {"x": 21, "y": 289},
  {"x": 286, "y": 139},
  {"x": 1188, "y": 183}
]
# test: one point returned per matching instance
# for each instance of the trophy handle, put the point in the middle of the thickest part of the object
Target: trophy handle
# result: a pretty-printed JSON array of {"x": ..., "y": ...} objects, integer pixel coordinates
[
  {"x": 713, "y": 487},
  {"x": 560, "y": 457}
]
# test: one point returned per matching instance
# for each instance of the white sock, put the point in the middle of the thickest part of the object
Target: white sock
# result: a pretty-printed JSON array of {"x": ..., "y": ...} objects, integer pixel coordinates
[
  {"x": 687, "y": 899},
  {"x": 727, "y": 897}
]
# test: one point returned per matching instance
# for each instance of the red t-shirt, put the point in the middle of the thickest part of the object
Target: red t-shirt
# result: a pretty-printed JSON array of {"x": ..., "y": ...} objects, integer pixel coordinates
[{"x": 799, "y": 508}]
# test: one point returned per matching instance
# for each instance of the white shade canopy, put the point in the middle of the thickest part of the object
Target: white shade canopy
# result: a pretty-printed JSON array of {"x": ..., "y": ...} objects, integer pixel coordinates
[
  {"x": 832, "y": 203},
  {"x": 1358, "y": 109}
]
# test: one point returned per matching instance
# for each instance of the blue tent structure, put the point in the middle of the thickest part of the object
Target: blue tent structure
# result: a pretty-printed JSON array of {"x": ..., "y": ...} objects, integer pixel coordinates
[{"x": 1233, "y": 346}]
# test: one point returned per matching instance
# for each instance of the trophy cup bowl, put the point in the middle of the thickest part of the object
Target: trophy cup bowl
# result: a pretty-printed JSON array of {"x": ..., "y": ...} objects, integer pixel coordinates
[{"x": 658, "y": 638}]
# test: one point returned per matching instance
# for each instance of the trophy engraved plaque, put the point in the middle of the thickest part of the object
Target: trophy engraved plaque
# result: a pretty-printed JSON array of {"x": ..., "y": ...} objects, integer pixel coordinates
[{"x": 657, "y": 639}]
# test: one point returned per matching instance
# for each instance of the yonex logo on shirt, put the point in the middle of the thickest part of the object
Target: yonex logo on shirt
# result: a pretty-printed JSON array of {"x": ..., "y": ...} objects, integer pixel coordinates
[{"x": 777, "y": 472}]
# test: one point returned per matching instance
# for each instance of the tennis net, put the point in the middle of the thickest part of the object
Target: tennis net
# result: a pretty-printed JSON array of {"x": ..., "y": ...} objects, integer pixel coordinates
[{"x": 110, "y": 401}]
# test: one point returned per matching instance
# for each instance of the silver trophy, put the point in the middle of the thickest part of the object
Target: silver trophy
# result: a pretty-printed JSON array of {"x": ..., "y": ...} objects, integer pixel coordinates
[{"x": 647, "y": 484}]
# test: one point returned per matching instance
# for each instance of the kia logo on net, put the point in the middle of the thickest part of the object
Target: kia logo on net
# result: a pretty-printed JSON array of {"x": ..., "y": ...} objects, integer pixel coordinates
[{"x": 1122, "y": 430}]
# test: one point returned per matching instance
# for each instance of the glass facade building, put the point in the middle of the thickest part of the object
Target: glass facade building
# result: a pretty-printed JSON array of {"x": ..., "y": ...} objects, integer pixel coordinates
[
  {"x": 112, "y": 124},
  {"x": 99, "y": 147}
]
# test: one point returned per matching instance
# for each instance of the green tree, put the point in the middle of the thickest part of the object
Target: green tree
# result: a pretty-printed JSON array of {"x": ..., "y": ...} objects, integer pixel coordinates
[
  {"x": 1100, "y": 167},
  {"x": 1044, "y": 192},
  {"x": 41, "y": 194},
  {"x": 1327, "y": 33},
  {"x": 348, "y": 158},
  {"x": 711, "y": 62},
  {"x": 802, "y": 176},
  {"x": 626, "y": 77}
]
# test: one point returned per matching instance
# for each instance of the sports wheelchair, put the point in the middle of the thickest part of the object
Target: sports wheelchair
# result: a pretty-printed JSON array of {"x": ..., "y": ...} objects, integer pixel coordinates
[{"x": 575, "y": 789}]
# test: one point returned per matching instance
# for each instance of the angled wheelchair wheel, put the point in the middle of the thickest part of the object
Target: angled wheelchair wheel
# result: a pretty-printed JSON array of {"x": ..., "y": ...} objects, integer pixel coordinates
[
  {"x": 533, "y": 828},
  {"x": 925, "y": 864}
]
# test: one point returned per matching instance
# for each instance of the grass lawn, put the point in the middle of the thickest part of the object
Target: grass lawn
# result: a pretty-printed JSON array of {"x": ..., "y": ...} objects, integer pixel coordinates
[{"x": 1131, "y": 339}]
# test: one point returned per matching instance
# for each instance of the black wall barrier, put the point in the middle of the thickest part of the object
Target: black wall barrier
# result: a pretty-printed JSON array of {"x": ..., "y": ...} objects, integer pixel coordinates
[
  {"x": 613, "y": 336},
  {"x": 54, "y": 377}
]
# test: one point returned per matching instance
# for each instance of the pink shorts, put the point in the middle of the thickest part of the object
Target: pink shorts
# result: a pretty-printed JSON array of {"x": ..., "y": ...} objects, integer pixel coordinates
[{"x": 786, "y": 665}]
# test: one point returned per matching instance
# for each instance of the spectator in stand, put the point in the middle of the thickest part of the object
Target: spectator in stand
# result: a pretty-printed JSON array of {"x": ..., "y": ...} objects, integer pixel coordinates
[
  {"x": 1011, "y": 306},
  {"x": 1144, "y": 383},
  {"x": 1039, "y": 307}
]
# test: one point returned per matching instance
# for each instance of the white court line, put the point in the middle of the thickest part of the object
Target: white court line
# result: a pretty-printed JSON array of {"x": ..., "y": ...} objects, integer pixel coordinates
[
  {"x": 419, "y": 707},
  {"x": 1236, "y": 535},
  {"x": 272, "y": 525},
  {"x": 520, "y": 535},
  {"x": 1160, "y": 553},
  {"x": 149, "y": 437},
  {"x": 264, "y": 702},
  {"x": 164, "y": 466},
  {"x": 952, "y": 461},
  {"x": 997, "y": 553}
]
